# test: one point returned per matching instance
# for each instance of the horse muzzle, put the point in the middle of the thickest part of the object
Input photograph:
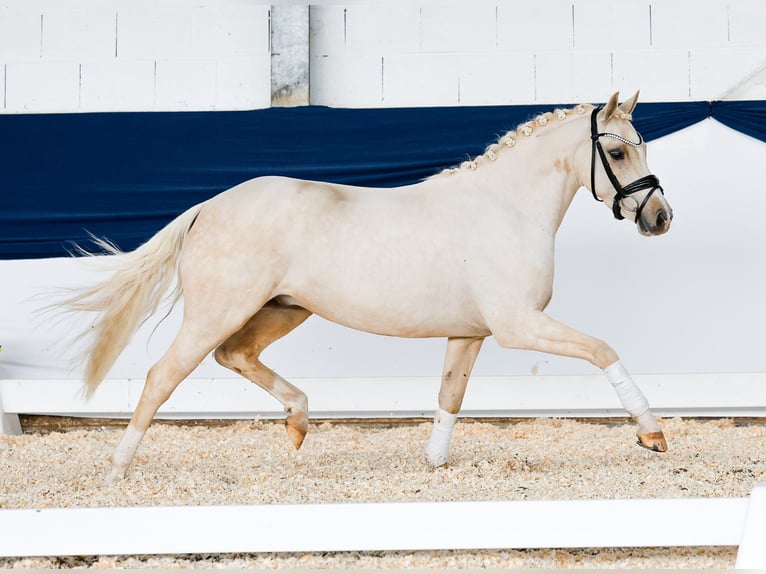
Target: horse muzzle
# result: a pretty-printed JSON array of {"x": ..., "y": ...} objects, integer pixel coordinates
[{"x": 654, "y": 221}]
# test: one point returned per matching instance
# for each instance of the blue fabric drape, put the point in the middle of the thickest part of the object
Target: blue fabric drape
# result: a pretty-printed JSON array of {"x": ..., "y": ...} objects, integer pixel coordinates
[
  {"x": 125, "y": 175},
  {"x": 746, "y": 117}
]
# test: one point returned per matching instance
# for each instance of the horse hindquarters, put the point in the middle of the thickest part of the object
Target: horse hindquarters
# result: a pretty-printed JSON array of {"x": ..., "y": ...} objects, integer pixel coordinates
[{"x": 219, "y": 299}]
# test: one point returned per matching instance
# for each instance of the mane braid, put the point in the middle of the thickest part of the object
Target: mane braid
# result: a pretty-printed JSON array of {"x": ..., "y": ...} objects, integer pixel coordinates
[{"x": 510, "y": 139}]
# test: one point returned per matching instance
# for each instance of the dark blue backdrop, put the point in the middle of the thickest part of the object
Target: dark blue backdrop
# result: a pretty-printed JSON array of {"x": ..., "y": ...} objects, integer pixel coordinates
[{"x": 125, "y": 175}]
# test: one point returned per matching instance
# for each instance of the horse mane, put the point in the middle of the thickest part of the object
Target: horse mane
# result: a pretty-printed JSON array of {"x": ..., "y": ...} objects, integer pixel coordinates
[{"x": 516, "y": 136}]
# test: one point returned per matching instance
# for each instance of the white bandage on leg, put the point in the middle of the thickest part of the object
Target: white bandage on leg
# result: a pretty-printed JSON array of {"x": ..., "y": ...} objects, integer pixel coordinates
[
  {"x": 438, "y": 446},
  {"x": 126, "y": 449},
  {"x": 630, "y": 395}
]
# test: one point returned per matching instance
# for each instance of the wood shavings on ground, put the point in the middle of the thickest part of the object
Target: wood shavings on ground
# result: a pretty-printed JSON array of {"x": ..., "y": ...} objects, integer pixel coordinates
[{"x": 254, "y": 463}]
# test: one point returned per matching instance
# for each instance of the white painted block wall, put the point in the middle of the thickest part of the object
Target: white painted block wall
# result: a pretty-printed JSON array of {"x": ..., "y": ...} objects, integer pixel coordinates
[
  {"x": 122, "y": 55},
  {"x": 115, "y": 55},
  {"x": 546, "y": 51}
]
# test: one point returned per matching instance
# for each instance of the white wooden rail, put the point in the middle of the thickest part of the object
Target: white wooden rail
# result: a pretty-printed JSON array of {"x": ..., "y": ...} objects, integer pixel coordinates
[
  {"x": 724, "y": 395},
  {"x": 394, "y": 526},
  {"x": 391, "y": 526}
]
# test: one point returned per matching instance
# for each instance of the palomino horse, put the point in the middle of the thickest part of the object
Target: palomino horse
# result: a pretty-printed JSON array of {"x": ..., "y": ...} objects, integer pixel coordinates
[{"x": 465, "y": 254}]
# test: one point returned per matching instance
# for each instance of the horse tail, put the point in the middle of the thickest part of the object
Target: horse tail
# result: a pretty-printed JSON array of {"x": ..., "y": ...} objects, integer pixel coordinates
[{"x": 130, "y": 295}]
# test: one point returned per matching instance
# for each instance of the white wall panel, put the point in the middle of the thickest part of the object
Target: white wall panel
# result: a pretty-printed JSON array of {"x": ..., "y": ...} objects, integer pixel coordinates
[
  {"x": 689, "y": 23},
  {"x": 20, "y": 35},
  {"x": 659, "y": 74},
  {"x": 208, "y": 55},
  {"x": 79, "y": 35},
  {"x": 469, "y": 27},
  {"x": 496, "y": 78},
  {"x": 327, "y": 29},
  {"x": 746, "y": 22},
  {"x": 243, "y": 83},
  {"x": 541, "y": 25},
  {"x": 126, "y": 85},
  {"x": 605, "y": 24},
  {"x": 357, "y": 79},
  {"x": 42, "y": 86},
  {"x": 232, "y": 31},
  {"x": 582, "y": 75},
  {"x": 646, "y": 40},
  {"x": 383, "y": 29},
  {"x": 185, "y": 84},
  {"x": 714, "y": 72},
  {"x": 420, "y": 79},
  {"x": 156, "y": 34}
]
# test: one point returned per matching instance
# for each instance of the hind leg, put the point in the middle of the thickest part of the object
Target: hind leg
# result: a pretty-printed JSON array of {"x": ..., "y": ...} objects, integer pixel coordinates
[
  {"x": 241, "y": 353},
  {"x": 186, "y": 352}
]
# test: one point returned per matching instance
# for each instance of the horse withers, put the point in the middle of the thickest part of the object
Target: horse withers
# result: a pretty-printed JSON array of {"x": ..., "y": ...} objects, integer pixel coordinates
[{"x": 465, "y": 254}]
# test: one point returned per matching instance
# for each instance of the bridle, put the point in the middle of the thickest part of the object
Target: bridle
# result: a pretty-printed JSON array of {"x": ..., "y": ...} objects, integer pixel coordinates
[{"x": 646, "y": 182}]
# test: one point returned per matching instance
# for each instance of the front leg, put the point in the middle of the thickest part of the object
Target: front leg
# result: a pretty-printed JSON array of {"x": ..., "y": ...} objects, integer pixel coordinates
[
  {"x": 538, "y": 332},
  {"x": 458, "y": 363}
]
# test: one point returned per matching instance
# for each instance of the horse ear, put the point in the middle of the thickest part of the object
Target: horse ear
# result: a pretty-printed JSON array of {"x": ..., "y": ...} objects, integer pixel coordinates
[
  {"x": 629, "y": 105},
  {"x": 611, "y": 106}
]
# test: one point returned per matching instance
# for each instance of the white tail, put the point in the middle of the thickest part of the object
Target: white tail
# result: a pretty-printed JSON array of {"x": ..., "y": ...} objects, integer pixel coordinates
[{"x": 132, "y": 293}]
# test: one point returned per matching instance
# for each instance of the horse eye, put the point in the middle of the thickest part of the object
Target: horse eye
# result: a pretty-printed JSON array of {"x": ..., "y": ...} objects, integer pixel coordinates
[{"x": 617, "y": 154}]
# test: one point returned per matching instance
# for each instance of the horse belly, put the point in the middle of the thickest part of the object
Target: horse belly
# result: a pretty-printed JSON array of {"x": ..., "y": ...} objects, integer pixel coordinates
[
  {"x": 392, "y": 302},
  {"x": 395, "y": 317}
]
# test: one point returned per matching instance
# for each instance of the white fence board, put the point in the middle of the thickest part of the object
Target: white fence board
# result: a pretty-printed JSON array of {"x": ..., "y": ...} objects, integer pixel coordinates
[
  {"x": 719, "y": 395},
  {"x": 373, "y": 527},
  {"x": 752, "y": 550}
]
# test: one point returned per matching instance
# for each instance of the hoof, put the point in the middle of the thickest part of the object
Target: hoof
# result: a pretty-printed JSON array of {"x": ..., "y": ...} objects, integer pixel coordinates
[
  {"x": 297, "y": 426},
  {"x": 653, "y": 441},
  {"x": 115, "y": 475},
  {"x": 436, "y": 459}
]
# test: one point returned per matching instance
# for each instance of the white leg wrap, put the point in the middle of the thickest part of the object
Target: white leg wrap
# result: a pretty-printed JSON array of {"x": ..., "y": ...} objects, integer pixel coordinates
[
  {"x": 125, "y": 451},
  {"x": 630, "y": 395},
  {"x": 438, "y": 446}
]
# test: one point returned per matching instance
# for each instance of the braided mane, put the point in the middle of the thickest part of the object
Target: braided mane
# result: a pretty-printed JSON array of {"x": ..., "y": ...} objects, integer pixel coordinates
[{"x": 517, "y": 136}]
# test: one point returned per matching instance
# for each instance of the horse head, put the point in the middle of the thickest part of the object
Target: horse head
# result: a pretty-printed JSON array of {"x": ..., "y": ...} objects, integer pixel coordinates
[{"x": 618, "y": 172}]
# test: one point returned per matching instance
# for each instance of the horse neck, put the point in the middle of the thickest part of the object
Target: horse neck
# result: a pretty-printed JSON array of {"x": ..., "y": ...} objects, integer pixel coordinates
[{"x": 539, "y": 178}]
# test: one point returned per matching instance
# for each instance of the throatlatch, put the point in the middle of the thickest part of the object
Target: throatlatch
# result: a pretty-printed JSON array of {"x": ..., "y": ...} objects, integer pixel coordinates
[{"x": 646, "y": 182}]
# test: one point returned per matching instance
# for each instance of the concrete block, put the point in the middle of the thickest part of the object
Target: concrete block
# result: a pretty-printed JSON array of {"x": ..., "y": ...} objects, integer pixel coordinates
[
  {"x": 605, "y": 24},
  {"x": 659, "y": 74},
  {"x": 383, "y": 29},
  {"x": 289, "y": 55},
  {"x": 232, "y": 31},
  {"x": 157, "y": 34},
  {"x": 747, "y": 22},
  {"x": 540, "y": 25},
  {"x": 570, "y": 77},
  {"x": 20, "y": 35},
  {"x": 496, "y": 78},
  {"x": 243, "y": 83},
  {"x": 186, "y": 85},
  {"x": 79, "y": 35},
  {"x": 327, "y": 30},
  {"x": 689, "y": 24},
  {"x": 458, "y": 27},
  {"x": 353, "y": 79},
  {"x": 420, "y": 80},
  {"x": 118, "y": 85},
  {"x": 724, "y": 72},
  {"x": 42, "y": 86}
]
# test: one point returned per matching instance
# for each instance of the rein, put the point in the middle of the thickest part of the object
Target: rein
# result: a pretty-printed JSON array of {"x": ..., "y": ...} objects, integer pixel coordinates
[{"x": 646, "y": 182}]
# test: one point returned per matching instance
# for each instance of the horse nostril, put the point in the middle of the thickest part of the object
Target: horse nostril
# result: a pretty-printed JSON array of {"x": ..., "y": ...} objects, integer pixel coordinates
[{"x": 662, "y": 218}]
